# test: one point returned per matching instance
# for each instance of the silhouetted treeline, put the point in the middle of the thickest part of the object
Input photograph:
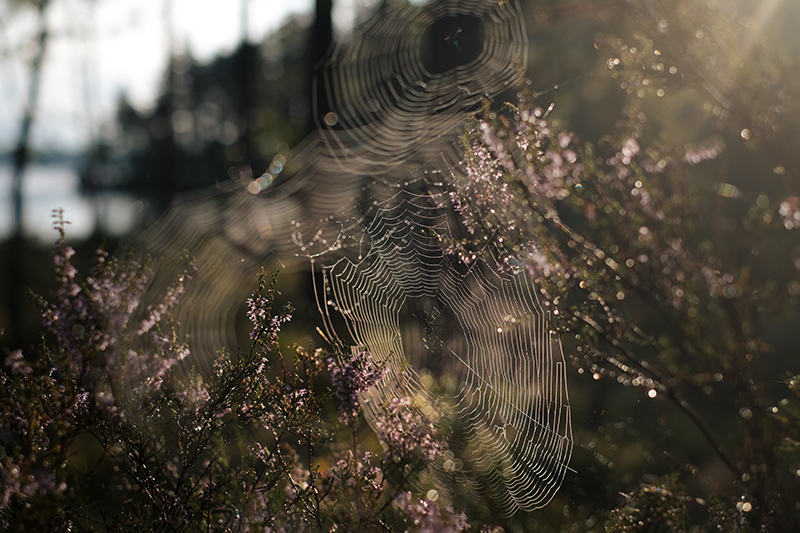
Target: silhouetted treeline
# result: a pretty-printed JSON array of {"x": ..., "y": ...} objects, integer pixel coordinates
[{"x": 227, "y": 118}]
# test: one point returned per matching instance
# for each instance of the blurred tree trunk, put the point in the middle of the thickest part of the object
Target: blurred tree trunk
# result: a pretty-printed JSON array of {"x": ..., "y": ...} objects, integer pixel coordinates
[
  {"x": 319, "y": 43},
  {"x": 22, "y": 151},
  {"x": 21, "y": 159},
  {"x": 247, "y": 64},
  {"x": 246, "y": 58}
]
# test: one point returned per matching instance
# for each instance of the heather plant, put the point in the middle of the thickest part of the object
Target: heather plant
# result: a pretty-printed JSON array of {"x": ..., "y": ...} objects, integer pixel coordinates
[
  {"x": 662, "y": 275},
  {"x": 50, "y": 402},
  {"x": 380, "y": 491},
  {"x": 99, "y": 434}
]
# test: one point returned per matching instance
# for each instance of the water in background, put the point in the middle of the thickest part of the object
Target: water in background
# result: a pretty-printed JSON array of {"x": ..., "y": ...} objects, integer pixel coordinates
[{"x": 52, "y": 186}]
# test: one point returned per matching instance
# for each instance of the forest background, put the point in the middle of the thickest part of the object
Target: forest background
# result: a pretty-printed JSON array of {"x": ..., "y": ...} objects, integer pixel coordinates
[{"x": 736, "y": 86}]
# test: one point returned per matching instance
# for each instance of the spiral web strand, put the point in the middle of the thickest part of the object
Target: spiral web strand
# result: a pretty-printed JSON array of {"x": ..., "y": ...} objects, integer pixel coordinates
[{"x": 467, "y": 341}]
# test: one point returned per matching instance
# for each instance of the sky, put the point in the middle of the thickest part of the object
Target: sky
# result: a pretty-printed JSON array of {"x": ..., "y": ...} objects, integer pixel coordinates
[{"x": 101, "y": 48}]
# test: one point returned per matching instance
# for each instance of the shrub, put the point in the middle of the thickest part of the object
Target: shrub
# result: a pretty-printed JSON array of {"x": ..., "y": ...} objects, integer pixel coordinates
[{"x": 97, "y": 433}]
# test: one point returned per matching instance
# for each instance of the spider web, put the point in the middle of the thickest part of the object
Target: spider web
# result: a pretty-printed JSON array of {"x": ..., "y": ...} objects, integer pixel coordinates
[
  {"x": 231, "y": 232},
  {"x": 409, "y": 74},
  {"x": 366, "y": 200},
  {"x": 466, "y": 339}
]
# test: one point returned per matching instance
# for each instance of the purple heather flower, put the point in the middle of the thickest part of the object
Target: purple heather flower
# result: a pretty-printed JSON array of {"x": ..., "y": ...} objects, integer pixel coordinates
[
  {"x": 428, "y": 515},
  {"x": 350, "y": 378},
  {"x": 402, "y": 431},
  {"x": 17, "y": 363},
  {"x": 158, "y": 311},
  {"x": 258, "y": 309},
  {"x": 348, "y": 470}
]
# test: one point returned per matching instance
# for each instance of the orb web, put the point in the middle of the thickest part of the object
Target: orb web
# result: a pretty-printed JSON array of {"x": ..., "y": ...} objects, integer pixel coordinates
[
  {"x": 230, "y": 233},
  {"x": 467, "y": 340},
  {"x": 460, "y": 335},
  {"x": 408, "y": 75},
  {"x": 379, "y": 133}
]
